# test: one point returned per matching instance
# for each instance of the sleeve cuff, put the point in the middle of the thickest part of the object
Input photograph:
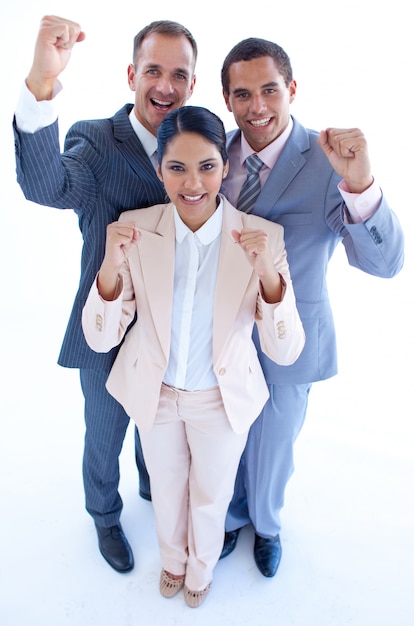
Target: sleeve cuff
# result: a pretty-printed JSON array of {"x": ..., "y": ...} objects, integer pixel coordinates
[
  {"x": 32, "y": 115},
  {"x": 360, "y": 206}
]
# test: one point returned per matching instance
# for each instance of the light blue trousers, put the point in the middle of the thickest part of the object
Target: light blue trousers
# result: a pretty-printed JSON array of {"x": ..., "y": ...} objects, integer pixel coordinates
[{"x": 267, "y": 461}]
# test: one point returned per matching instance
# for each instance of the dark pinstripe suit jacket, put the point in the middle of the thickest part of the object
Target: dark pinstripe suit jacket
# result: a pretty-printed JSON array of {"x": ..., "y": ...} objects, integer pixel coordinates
[{"x": 103, "y": 171}]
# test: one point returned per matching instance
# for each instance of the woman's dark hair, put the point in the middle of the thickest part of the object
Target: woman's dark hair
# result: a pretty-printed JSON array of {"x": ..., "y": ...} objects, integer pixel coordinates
[{"x": 192, "y": 119}]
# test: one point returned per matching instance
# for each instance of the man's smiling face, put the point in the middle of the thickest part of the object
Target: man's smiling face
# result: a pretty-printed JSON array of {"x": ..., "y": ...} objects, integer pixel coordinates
[
  {"x": 259, "y": 100},
  {"x": 162, "y": 77}
]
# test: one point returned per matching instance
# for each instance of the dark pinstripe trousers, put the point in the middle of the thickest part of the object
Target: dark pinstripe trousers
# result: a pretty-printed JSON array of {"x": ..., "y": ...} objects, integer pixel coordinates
[{"x": 106, "y": 424}]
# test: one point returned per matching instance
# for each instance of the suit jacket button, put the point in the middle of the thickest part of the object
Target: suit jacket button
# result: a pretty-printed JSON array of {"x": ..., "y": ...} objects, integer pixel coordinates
[{"x": 222, "y": 371}]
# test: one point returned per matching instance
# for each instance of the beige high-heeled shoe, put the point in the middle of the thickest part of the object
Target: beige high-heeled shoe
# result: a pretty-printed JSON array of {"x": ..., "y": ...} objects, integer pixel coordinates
[
  {"x": 169, "y": 586},
  {"x": 195, "y": 598}
]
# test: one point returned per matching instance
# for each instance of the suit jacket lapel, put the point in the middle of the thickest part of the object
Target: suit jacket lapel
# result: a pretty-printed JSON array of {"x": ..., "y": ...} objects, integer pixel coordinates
[
  {"x": 233, "y": 277},
  {"x": 288, "y": 166},
  {"x": 156, "y": 252},
  {"x": 132, "y": 150}
]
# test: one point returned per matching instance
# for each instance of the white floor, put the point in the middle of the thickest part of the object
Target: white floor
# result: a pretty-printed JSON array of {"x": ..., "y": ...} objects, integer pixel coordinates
[{"x": 347, "y": 537}]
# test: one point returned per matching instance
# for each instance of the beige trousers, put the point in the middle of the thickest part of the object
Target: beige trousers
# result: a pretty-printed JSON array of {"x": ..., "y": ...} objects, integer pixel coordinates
[{"x": 192, "y": 455}]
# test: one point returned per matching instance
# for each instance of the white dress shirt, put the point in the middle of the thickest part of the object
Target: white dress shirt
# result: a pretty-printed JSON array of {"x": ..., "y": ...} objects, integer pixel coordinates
[{"x": 190, "y": 365}]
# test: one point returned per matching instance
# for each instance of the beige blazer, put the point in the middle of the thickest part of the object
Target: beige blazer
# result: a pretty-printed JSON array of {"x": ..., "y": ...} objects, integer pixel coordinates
[{"x": 148, "y": 277}]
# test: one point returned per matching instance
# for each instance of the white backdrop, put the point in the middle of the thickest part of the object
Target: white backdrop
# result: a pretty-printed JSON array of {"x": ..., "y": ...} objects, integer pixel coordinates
[{"x": 353, "y": 65}]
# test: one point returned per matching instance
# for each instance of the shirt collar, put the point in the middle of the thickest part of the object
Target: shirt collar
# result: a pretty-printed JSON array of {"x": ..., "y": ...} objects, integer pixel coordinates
[
  {"x": 271, "y": 153},
  {"x": 207, "y": 233},
  {"x": 149, "y": 142}
]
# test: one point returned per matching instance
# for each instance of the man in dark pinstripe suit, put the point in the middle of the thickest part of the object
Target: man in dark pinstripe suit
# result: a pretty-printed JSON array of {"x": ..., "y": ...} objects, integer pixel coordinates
[{"x": 107, "y": 167}]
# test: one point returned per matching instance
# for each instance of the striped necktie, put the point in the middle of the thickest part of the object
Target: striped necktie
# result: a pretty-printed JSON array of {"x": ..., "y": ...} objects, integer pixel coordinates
[{"x": 251, "y": 186}]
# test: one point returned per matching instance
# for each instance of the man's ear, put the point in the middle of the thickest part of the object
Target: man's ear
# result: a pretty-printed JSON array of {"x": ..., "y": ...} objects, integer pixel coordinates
[
  {"x": 292, "y": 91},
  {"x": 131, "y": 77},
  {"x": 227, "y": 101}
]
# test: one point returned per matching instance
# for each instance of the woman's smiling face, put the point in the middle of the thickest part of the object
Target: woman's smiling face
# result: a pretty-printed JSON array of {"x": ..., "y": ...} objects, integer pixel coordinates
[{"x": 192, "y": 171}]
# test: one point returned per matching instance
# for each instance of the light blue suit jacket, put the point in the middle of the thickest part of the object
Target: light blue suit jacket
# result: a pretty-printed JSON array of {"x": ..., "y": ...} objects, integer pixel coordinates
[{"x": 301, "y": 194}]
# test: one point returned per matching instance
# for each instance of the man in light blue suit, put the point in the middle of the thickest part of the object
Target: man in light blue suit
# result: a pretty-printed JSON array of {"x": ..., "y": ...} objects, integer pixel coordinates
[
  {"x": 108, "y": 166},
  {"x": 320, "y": 188}
]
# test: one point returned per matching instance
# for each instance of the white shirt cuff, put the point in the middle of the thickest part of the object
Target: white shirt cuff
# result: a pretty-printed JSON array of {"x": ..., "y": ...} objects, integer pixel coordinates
[{"x": 32, "y": 115}]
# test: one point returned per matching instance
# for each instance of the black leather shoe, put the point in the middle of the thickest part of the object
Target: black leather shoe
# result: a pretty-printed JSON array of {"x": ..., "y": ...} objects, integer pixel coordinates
[
  {"x": 115, "y": 548},
  {"x": 230, "y": 540},
  {"x": 267, "y": 554}
]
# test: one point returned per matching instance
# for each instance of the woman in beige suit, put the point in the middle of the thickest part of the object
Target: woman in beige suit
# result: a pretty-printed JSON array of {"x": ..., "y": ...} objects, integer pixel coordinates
[{"x": 198, "y": 273}]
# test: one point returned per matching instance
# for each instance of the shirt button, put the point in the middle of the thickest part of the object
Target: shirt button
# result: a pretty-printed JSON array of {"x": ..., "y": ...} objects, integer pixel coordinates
[
  {"x": 99, "y": 323},
  {"x": 222, "y": 371}
]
